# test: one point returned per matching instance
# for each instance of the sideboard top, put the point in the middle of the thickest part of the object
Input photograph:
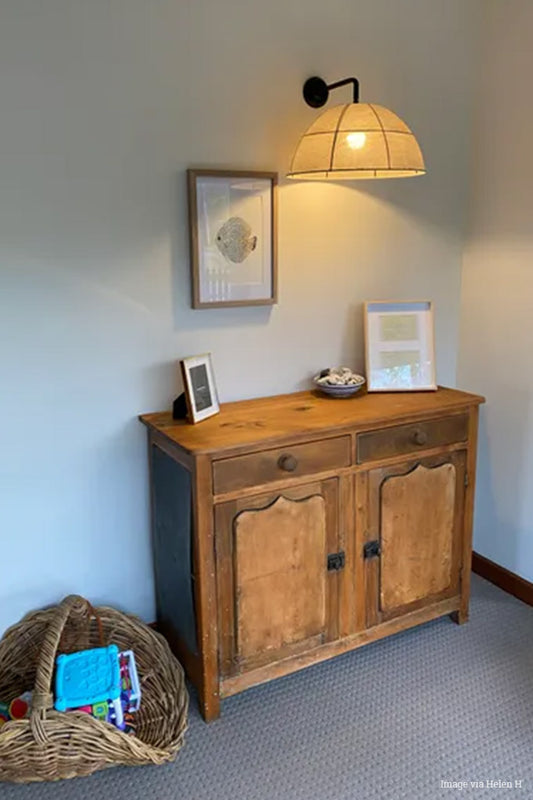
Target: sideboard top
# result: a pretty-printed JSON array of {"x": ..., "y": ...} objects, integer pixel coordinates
[{"x": 291, "y": 416}]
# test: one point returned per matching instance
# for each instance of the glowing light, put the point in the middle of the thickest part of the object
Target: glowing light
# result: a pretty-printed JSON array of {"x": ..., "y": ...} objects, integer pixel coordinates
[{"x": 356, "y": 140}]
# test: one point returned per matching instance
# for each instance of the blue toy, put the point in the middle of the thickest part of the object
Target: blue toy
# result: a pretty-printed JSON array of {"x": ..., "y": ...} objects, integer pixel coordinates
[{"x": 87, "y": 678}]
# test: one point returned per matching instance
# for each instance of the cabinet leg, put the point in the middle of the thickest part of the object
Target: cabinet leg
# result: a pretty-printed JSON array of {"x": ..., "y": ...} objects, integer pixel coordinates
[
  {"x": 460, "y": 617},
  {"x": 209, "y": 706}
]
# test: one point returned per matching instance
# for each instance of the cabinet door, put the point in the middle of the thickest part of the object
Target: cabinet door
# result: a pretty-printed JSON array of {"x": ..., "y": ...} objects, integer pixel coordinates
[
  {"x": 412, "y": 549},
  {"x": 276, "y": 596}
]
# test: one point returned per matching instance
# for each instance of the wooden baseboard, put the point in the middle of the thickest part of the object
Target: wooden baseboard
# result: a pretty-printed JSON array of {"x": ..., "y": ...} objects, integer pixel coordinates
[{"x": 503, "y": 578}]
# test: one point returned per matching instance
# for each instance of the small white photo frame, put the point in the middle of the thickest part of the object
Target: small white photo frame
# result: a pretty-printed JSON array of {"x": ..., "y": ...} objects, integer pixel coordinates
[
  {"x": 399, "y": 346},
  {"x": 200, "y": 388}
]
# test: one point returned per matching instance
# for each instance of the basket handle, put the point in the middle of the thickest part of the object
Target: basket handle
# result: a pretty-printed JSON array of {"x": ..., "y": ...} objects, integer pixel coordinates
[{"x": 43, "y": 699}]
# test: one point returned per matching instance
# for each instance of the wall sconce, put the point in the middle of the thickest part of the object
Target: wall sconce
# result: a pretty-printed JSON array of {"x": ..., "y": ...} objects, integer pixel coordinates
[{"x": 354, "y": 140}]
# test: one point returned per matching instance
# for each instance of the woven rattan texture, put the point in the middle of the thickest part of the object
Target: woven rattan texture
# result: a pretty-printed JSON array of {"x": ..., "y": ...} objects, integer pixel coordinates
[{"x": 52, "y": 745}]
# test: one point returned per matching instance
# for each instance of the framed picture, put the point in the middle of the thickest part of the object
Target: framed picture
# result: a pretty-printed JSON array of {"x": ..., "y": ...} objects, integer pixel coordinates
[
  {"x": 232, "y": 231},
  {"x": 199, "y": 386},
  {"x": 399, "y": 346}
]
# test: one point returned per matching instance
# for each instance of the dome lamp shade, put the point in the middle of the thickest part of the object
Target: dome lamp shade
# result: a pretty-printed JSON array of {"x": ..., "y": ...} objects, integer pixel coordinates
[{"x": 354, "y": 140}]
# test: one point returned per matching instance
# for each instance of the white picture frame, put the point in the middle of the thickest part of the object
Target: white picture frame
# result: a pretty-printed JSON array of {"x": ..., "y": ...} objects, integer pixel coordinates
[
  {"x": 233, "y": 237},
  {"x": 399, "y": 346},
  {"x": 199, "y": 386}
]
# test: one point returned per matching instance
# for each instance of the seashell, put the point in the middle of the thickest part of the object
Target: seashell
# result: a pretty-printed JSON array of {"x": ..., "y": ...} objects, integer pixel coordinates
[{"x": 339, "y": 382}]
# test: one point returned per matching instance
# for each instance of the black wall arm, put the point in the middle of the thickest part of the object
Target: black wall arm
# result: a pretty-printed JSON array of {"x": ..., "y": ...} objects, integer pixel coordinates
[{"x": 316, "y": 90}]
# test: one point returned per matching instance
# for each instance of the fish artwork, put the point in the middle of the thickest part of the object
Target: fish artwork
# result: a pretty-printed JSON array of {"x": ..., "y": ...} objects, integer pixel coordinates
[{"x": 235, "y": 240}]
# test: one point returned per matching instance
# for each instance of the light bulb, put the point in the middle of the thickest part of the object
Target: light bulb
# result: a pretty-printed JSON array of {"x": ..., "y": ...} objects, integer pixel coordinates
[{"x": 356, "y": 140}]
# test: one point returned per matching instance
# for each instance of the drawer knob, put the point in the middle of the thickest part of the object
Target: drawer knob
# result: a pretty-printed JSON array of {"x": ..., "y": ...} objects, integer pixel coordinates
[
  {"x": 420, "y": 437},
  {"x": 287, "y": 462}
]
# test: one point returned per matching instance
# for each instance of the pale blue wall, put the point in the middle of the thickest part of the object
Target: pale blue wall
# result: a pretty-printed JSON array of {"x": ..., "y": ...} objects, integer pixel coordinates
[
  {"x": 103, "y": 105},
  {"x": 496, "y": 352}
]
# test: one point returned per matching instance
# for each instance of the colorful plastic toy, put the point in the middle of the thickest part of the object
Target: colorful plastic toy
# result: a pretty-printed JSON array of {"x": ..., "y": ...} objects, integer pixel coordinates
[
  {"x": 130, "y": 689},
  {"x": 101, "y": 682},
  {"x": 19, "y": 708},
  {"x": 87, "y": 678},
  {"x": 103, "y": 711}
]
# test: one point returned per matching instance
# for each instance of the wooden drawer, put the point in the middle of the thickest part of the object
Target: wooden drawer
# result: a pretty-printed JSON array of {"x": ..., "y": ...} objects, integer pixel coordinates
[
  {"x": 406, "y": 439},
  {"x": 257, "y": 469}
]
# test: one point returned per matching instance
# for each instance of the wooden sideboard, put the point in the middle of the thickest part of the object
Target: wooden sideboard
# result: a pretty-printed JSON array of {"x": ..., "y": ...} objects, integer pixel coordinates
[{"x": 287, "y": 530}]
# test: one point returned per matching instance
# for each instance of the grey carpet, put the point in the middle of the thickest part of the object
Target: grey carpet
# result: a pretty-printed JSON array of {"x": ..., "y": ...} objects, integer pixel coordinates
[{"x": 386, "y": 722}]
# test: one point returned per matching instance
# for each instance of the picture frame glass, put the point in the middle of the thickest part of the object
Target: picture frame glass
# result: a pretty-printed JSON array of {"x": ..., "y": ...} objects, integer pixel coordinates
[
  {"x": 400, "y": 350},
  {"x": 201, "y": 392},
  {"x": 234, "y": 243},
  {"x": 200, "y": 387}
]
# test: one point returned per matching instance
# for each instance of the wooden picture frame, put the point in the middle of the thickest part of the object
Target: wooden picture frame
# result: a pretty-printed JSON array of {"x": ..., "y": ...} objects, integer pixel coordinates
[
  {"x": 233, "y": 237},
  {"x": 199, "y": 387},
  {"x": 399, "y": 346}
]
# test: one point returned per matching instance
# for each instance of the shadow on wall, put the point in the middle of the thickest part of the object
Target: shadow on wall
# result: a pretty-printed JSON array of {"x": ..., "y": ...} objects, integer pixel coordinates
[
  {"x": 502, "y": 451},
  {"x": 352, "y": 210}
]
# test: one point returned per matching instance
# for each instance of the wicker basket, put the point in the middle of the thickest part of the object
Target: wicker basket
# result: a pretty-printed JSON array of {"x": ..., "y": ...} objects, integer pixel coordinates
[{"x": 53, "y": 745}]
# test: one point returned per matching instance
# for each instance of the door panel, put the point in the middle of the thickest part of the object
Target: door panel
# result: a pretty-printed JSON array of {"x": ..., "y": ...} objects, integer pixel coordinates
[
  {"x": 280, "y": 576},
  {"x": 415, "y": 513},
  {"x": 275, "y": 594},
  {"x": 417, "y": 519}
]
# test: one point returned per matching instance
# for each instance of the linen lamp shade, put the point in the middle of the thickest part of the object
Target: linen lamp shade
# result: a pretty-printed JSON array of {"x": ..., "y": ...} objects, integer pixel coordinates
[{"x": 357, "y": 140}]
